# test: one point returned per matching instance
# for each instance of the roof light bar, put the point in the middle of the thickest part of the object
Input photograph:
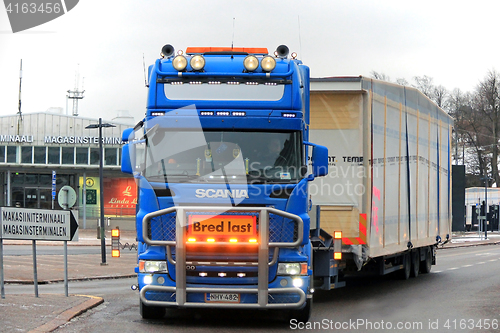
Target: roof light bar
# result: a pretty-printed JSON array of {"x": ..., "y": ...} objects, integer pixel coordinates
[
  {"x": 206, "y": 113},
  {"x": 223, "y": 113},
  {"x": 239, "y": 113},
  {"x": 158, "y": 113},
  {"x": 288, "y": 115}
]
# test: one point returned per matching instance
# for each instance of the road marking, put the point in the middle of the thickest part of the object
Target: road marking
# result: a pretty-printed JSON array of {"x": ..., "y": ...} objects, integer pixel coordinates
[
  {"x": 436, "y": 271},
  {"x": 464, "y": 266},
  {"x": 452, "y": 269},
  {"x": 492, "y": 260}
]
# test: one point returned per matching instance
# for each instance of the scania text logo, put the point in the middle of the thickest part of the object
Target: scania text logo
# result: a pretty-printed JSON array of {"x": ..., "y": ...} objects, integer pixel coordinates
[{"x": 212, "y": 193}]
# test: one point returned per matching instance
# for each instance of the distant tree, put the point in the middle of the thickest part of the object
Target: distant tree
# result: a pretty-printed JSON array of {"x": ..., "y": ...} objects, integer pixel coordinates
[
  {"x": 380, "y": 76},
  {"x": 402, "y": 81},
  {"x": 424, "y": 84},
  {"x": 487, "y": 103},
  {"x": 439, "y": 96}
]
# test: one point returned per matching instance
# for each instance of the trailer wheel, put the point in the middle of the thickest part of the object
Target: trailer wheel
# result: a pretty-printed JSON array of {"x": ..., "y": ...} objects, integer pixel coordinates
[
  {"x": 415, "y": 263},
  {"x": 404, "y": 274},
  {"x": 302, "y": 315},
  {"x": 426, "y": 265},
  {"x": 151, "y": 312}
]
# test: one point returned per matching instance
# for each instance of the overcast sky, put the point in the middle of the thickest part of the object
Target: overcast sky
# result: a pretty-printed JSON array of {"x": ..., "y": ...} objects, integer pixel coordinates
[{"x": 455, "y": 42}]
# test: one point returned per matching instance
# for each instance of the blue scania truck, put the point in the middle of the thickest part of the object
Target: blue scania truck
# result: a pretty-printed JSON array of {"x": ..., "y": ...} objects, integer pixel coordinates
[{"x": 224, "y": 166}]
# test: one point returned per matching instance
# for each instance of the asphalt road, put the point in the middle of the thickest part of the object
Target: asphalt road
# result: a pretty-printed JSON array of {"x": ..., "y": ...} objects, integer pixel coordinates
[
  {"x": 27, "y": 250},
  {"x": 462, "y": 294}
]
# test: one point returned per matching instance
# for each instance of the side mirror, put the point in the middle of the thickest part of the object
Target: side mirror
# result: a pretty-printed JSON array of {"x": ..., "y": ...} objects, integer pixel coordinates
[
  {"x": 126, "y": 159},
  {"x": 126, "y": 134},
  {"x": 319, "y": 161}
]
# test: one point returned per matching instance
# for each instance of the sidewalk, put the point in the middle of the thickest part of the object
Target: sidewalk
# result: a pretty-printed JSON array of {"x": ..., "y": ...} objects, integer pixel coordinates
[
  {"x": 25, "y": 313},
  {"x": 464, "y": 239}
]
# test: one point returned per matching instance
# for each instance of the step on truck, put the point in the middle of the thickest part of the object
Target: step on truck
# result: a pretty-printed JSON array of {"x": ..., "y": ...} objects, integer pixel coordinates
[{"x": 253, "y": 190}]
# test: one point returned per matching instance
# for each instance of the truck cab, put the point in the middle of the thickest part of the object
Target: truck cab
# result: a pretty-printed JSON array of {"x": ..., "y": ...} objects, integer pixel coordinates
[{"x": 222, "y": 163}]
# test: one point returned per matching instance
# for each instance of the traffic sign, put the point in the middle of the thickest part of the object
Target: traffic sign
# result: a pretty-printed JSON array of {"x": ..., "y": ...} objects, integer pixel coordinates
[
  {"x": 66, "y": 197},
  {"x": 37, "y": 224}
]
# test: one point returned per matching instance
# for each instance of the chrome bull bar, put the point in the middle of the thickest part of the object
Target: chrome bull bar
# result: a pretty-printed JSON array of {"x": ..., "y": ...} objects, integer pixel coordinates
[{"x": 264, "y": 245}]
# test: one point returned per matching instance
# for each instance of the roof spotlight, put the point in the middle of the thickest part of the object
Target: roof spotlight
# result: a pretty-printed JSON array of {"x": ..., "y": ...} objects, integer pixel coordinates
[
  {"x": 197, "y": 62},
  {"x": 251, "y": 63},
  {"x": 268, "y": 63},
  {"x": 179, "y": 63}
]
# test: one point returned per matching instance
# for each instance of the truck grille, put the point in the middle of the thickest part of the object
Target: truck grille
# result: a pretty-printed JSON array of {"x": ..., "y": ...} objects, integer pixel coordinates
[{"x": 281, "y": 229}]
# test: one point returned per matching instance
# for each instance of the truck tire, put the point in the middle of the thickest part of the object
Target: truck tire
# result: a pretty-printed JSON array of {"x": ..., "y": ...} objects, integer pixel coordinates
[
  {"x": 426, "y": 265},
  {"x": 415, "y": 263},
  {"x": 404, "y": 274},
  {"x": 302, "y": 315},
  {"x": 151, "y": 312}
]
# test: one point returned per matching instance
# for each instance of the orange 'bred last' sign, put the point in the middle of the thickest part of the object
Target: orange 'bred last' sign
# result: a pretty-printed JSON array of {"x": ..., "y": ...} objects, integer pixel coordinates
[{"x": 218, "y": 225}]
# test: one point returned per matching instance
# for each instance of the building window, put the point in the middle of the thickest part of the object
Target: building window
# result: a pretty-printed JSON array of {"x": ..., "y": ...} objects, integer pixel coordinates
[
  {"x": 94, "y": 156},
  {"x": 68, "y": 155},
  {"x": 54, "y": 155},
  {"x": 110, "y": 156},
  {"x": 11, "y": 154},
  {"x": 31, "y": 179},
  {"x": 45, "y": 179},
  {"x": 82, "y": 155},
  {"x": 40, "y": 155},
  {"x": 27, "y": 154},
  {"x": 17, "y": 178},
  {"x": 2, "y": 154}
]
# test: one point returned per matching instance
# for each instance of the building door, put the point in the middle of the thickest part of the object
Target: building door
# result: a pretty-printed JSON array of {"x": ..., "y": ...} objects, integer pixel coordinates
[
  {"x": 31, "y": 197},
  {"x": 45, "y": 201}
]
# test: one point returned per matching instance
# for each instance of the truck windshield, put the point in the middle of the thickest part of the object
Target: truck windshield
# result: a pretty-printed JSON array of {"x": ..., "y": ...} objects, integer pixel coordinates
[{"x": 220, "y": 156}]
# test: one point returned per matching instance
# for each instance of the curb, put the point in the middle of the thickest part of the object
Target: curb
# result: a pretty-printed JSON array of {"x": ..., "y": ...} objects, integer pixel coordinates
[
  {"x": 30, "y": 282},
  {"x": 69, "y": 314},
  {"x": 454, "y": 246}
]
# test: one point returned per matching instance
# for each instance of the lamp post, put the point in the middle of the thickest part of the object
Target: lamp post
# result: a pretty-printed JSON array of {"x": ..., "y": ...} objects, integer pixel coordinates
[
  {"x": 101, "y": 187},
  {"x": 486, "y": 179}
]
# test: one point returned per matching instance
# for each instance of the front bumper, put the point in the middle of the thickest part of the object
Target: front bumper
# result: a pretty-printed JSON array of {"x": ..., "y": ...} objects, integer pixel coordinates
[{"x": 264, "y": 295}]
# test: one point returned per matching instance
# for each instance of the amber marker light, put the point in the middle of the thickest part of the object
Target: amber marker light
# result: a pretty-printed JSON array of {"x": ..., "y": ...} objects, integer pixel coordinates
[
  {"x": 337, "y": 255},
  {"x": 233, "y": 240},
  {"x": 115, "y": 253},
  {"x": 210, "y": 240},
  {"x": 115, "y": 232},
  {"x": 337, "y": 235},
  {"x": 252, "y": 240},
  {"x": 191, "y": 240}
]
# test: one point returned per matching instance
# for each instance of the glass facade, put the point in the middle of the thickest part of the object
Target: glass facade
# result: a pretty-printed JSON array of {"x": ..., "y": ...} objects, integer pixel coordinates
[{"x": 58, "y": 155}]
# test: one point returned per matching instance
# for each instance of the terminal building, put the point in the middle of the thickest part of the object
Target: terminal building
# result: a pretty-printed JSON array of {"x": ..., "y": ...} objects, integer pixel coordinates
[{"x": 33, "y": 146}]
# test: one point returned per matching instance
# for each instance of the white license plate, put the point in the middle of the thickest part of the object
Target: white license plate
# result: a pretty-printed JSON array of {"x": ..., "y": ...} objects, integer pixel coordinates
[{"x": 222, "y": 298}]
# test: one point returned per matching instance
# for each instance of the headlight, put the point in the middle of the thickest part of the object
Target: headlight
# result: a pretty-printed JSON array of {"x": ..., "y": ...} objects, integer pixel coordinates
[
  {"x": 268, "y": 63},
  {"x": 197, "y": 62},
  {"x": 292, "y": 268},
  {"x": 150, "y": 266},
  {"x": 180, "y": 63},
  {"x": 251, "y": 63}
]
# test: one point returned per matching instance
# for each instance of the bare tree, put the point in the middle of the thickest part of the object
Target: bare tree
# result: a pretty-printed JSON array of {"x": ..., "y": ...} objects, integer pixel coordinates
[
  {"x": 439, "y": 96},
  {"x": 380, "y": 76},
  {"x": 424, "y": 84},
  {"x": 487, "y": 102},
  {"x": 402, "y": 81}
]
